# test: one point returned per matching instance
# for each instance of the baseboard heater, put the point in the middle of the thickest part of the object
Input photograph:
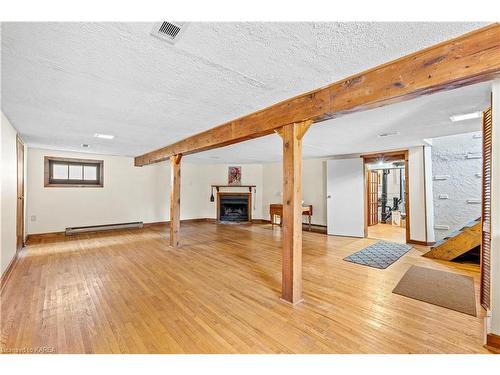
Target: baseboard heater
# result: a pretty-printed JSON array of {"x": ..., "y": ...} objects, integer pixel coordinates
[{"x": 99, "y": 228}]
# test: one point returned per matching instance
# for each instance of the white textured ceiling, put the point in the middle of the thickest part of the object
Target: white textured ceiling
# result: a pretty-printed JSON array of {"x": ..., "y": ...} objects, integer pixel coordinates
[
  {"x": 63, "y": 82},
  {"x": 415, "y": 121}
]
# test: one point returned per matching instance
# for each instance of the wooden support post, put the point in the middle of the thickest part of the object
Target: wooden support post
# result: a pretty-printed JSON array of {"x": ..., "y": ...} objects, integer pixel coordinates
[
  {"x": 292, "y": 134},
  {"x": 175, "y": 199}
]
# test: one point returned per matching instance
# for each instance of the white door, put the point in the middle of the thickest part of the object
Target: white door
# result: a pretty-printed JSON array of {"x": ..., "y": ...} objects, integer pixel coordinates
[{"x": 345, "y": 197}]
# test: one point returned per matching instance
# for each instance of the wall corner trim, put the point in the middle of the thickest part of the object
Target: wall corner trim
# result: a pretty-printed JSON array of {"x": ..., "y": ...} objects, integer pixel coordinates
[{"x": 8, "y": 271}]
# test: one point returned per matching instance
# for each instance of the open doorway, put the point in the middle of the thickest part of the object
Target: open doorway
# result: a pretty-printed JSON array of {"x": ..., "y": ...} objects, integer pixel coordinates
[{"x": 386, "y": 192}]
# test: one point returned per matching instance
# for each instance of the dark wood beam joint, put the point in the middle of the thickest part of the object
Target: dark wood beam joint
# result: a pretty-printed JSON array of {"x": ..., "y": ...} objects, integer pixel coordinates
[{"x": 177, "y": 158}]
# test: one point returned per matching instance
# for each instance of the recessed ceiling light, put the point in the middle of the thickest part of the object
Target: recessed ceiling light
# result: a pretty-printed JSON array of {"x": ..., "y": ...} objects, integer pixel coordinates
[
  {"x": 466, "y": 116},
  {"x": 84, "y": 145},
  {"x": 104, "y": 136},
  {"x": 388, "y": 134}
]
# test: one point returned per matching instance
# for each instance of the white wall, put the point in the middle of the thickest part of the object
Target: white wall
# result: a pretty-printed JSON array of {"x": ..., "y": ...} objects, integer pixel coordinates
[
  {"x": 8, "y": 193},
  {"x": 495, "y": 213},
  {"x": 420, "y": 193},
  {"x": 129, "y": 194},
  {"x": 141, "y": 194},
  {"x": 196, "y": 180},
  {"x": 429, "y": 197},
  {"x": 313, "y": 187},
  {"x": 449, "y": 158}
]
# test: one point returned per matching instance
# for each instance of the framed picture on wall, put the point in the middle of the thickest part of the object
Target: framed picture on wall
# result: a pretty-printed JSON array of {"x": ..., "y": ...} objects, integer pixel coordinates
[{"x": 234, "y": 176}]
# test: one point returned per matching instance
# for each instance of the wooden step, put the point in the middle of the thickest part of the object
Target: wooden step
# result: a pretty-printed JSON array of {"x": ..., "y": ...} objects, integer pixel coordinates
[{"x": 458, "y": 243}]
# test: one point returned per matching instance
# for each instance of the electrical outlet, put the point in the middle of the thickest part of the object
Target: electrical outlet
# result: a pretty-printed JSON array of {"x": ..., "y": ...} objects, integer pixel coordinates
[{"x": 33, "y": 217}]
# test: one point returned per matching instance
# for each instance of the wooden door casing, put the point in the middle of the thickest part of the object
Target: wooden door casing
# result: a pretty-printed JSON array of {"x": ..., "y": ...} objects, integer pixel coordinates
[
  {"x": 20, "y": 195},
  {"x": 486, "y": 211}
]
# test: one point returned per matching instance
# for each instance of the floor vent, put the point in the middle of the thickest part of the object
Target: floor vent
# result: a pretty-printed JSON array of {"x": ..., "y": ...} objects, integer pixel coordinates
[
  {"x": 98, "y": 228},
  {"x": 169, "y": 31}
]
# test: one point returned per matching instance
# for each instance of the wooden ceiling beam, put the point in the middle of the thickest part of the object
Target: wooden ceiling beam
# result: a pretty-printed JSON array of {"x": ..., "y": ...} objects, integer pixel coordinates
[{"x": 471, "y": 58}]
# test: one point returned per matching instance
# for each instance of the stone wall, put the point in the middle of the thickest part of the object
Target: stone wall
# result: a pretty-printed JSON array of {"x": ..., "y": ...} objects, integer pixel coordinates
[{"x": 457, "y": 165}]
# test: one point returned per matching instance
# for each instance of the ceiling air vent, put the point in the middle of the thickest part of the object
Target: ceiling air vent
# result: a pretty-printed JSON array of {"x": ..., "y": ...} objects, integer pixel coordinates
[{"x": 169, "y": 31}]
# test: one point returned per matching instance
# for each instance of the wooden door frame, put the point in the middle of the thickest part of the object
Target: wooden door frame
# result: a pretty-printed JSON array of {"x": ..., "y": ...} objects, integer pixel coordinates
[
  {"x": 20, "y": 219},
  {"x": 388, "y": 156}
]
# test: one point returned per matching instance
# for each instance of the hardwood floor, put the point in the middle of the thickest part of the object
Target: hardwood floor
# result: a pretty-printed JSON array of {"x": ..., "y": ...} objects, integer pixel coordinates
[
  {"x": 128, "y": 292},
  {"x": 387, "y": 232}
]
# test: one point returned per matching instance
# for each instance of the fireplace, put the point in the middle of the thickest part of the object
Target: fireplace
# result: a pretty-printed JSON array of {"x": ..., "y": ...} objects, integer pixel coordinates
[{"x": 234, "y": 207}]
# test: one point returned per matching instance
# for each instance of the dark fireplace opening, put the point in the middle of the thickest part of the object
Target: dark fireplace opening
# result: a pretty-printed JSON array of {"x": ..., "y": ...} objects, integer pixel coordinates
[{"x": 233, "y": 208}]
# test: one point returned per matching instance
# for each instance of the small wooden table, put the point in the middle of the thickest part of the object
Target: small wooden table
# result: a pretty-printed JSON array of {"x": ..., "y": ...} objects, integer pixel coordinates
[{"x": 276, "y": 209}]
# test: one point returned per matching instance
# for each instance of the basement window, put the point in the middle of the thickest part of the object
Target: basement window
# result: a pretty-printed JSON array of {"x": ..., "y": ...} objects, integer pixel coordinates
[{"x": 70, "y": 172}]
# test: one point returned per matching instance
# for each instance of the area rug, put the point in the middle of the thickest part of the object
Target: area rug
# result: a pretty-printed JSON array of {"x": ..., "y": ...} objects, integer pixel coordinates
[
  {"x": 379, "y": 255},
  {"x": 445, "y": 289}
]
